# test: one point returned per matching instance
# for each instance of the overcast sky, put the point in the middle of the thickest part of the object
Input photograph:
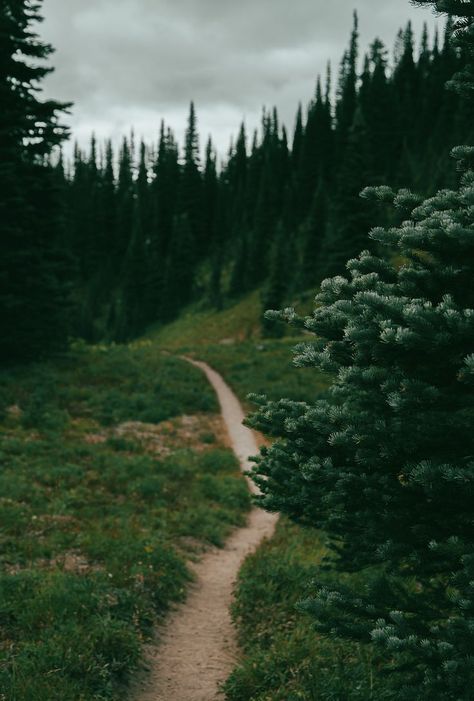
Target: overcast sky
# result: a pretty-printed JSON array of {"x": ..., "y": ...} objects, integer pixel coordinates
[{"x": 131, "y": 63}]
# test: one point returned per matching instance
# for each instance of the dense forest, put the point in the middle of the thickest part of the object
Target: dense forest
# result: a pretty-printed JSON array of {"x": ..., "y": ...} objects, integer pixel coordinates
[{"x": 126, "y": 239}]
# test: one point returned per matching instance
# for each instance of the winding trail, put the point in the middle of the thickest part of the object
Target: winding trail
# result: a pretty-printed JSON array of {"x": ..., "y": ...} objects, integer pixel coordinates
[{"x": 197, "y": 647}]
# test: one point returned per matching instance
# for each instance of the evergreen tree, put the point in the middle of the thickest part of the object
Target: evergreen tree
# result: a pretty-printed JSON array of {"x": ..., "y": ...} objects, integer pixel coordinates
[
  {"x": 190, "y": 202},
  {"x": 351, "y": 216},
  {"x": 131, "y": 314},
  {"x": 273, "y": 176},
  {"x": 180, "y": 267},
  {"x": 34, "y": 264},
  {"x": 279, "y": 279},
  {"x": 384, "y": 463},
  {"x": 313, "y": 234},
  {"x": 108, "y": 208},
  {"x": 249, "y": 178},
  {"x": 298, "y": 133},
  {"x": 212, "y": 224},
  {"x": 462, "y": 11},
  {"x": 125, "y": 205},
  {"x": 164, "y": 193},
  {"x": 316, "y": 150},
  {"x": 347, "y": 89},
  {"x": 376, "y": 99}
]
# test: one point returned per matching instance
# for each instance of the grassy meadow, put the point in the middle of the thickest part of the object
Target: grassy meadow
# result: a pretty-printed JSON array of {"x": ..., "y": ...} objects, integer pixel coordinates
[
  {"x": 106, "y": 492},
  {"x": 114, "y": 474},
  {"x": 231, "y": 341}
]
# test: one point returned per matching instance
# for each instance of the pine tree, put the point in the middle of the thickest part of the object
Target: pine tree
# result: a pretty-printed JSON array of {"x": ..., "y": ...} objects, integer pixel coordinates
[
  {"x": 212, "y": 225},
  {"x": 313, "y": 235},
  {"x": 376, "y": 98},
  {"x": 316, "y": 150},
  {"x": 108, "y": 210},
  {"x": 462, "y": 11},
  {"x": 351, "y": 216},
  {"x": 191, "y": 186},
  {"x": 34, "y": 268},
  {"x": 279, "y": 278},
  {"x": 384, "y": 463},
  {"x": 273, "y": 178},
  {"x": 164, "y": 192},
  {"x": 347, "y": 89},
  {"x": 131, "y": 315},
  {"x": 180, "y": 267},
  {"x": 125, "y": 206}
]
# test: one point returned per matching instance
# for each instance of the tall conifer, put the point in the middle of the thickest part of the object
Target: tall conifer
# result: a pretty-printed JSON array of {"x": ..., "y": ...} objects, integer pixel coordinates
[
  {"x": 34, "y": 270},
  {"x": 384, "y": 463}
]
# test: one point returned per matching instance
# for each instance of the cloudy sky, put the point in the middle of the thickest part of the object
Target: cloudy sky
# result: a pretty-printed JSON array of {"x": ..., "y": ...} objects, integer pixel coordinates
[{"x": 133, "y": 62}]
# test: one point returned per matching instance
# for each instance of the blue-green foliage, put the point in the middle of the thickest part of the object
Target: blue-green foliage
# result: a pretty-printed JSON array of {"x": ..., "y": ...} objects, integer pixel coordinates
[{"x": 385, "y": 462}]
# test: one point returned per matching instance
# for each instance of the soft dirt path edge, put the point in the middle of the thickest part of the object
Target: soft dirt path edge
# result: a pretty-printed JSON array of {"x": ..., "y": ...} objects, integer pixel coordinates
[{"x": 197, "y": 649}]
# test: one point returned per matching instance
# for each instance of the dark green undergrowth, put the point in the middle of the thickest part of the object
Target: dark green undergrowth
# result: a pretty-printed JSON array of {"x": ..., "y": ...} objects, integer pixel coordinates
[
  {"x": 284, "y": 659},
  {"x": 94, "y": 536}
]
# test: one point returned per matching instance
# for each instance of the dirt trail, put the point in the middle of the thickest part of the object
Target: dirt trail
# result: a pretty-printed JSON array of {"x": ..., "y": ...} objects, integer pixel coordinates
[{"x": 197, "y": 649}]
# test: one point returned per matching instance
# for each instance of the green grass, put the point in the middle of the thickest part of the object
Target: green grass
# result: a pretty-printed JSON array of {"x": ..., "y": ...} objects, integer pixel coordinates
[
  {"x": 284, "y": 658},
  {"x": 265, "y": 367},
  {"x": 107, "y": 383},
  {"x": 94, "y": 538},
  {"x": 231, "y": 342},
  {"x": 196, "y": 328}
]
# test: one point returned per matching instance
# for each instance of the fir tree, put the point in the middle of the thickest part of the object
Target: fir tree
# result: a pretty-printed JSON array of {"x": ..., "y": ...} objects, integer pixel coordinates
[
  {"x": 212, "y": 224},
  {"x": 108, "y": 207},
  {"x": 180, "y": 267},
  {"x": 347, "y": 89},
  {"x": 316, "y": 150},
  {"x": 384, "y": 463},
  {"x": 164, "y": 193},
  {"x": 279, "y": 279},
  {"x": 125, "y": 205},
  {"x": 34, "y": 264},
  {"x": 313, "y": 234},
  {"x": 191, "y": 185},
  {"x": 270, "y": 191},
  {"x": 463, "y": 12},
  {"x": 131, "y": 315},
  {"x": 351, "y": 216}
]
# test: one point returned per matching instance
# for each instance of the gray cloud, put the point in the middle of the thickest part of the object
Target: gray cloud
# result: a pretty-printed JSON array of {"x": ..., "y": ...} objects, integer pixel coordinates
[{"x": 133, "y": 62}]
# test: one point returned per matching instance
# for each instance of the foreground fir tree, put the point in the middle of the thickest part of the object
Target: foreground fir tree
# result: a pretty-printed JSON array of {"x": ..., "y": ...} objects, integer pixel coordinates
[{"x": 385, "y": 462}]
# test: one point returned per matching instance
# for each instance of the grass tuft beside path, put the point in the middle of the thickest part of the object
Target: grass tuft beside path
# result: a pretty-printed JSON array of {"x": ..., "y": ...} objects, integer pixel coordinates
[{"x": 284, "y": 659}]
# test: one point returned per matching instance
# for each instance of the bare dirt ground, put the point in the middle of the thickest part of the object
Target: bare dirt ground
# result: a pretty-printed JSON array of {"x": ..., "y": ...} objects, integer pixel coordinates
[{"x": 196, "y": 650}]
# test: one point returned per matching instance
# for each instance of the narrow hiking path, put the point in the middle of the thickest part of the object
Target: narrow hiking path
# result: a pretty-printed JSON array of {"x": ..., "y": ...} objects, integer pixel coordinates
[{"x": 197, "y": 647}]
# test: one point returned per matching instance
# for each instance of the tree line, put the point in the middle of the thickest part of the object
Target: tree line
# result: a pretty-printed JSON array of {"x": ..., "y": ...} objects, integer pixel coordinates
[
  {"x": 130, "y": 238},
  {"x": 281, "y": 213}
]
